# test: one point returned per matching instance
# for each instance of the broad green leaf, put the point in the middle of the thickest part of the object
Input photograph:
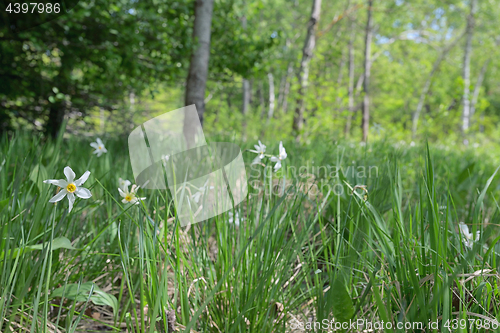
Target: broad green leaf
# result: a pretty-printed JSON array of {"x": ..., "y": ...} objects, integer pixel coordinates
[
  {"x": 342, "y": 307},
  {"x": 80, "y": 293},
  {"x": 74, "y": 291},
  {"x": 57, "y": 243}
]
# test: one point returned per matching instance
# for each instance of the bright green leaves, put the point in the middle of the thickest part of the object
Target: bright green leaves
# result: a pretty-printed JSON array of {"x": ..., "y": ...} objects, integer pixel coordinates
[
  {"x": 342, "y": 307},
  {"x": 80, "y": 293},
  {"x": 57, "y": 243}
]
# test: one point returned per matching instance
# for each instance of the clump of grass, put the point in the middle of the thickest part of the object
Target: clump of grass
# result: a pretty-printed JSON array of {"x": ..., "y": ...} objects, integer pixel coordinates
[{"x": 380, "y": 246}]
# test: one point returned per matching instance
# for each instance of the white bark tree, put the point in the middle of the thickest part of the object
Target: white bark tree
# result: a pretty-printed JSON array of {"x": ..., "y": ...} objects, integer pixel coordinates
[
  {"x": 307, "y": 53},
  {"x": 347, "y": 129},
  {"x": 367, "y": 64},
  {"x": 270, "y": 113},
  {"x": 466, "y": 113}
]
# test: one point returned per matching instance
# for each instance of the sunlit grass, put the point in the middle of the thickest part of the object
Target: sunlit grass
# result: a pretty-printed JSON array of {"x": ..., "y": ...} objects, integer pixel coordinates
[{"x": 375, "y": 246}]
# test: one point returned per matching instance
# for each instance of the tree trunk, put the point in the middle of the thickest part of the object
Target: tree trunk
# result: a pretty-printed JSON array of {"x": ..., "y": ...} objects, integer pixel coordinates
[
  {"x": 347, "y": 129},
  {"x": 307, "y": 53},
  {"x": 246, "y": 96},
  {"x": 56, "y": 118},
  {"x": 57, "y": 110},
  {"x": 246, "y": 83},
  {"x": 198, "y": 67},
  {"x": 271, "y": 96},
  {"x": 366, "y": 98},
  {"x": 466, "y": 70}
]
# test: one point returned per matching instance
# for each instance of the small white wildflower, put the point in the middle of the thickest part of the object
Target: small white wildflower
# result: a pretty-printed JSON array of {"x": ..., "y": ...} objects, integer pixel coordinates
[
  {"x": 201, "y": 191},
  {"x": 130, "y": 197},
  {"x": 362, "y": 144},
  {"x": 70, "y": 187},
  {"x": 124, "y": 184},
  {"x": 281, "y": 156},
  {"x": 468, "y": 240},
  {"x": 99, "y": 147},
  {"x": 412, "y": 144},
  {"x": 164, "y": 160},
  {"x": 260, "y": 149}
]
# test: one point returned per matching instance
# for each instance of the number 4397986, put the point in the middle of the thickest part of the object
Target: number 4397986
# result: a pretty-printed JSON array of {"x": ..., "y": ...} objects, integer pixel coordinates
[{"x": 33, "y": 7}]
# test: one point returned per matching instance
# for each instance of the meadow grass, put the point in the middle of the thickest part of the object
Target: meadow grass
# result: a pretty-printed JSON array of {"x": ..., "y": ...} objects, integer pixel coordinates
[{"x": 311, "y": 244}]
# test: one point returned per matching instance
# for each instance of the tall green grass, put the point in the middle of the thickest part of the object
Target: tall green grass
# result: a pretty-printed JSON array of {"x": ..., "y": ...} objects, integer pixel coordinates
[{"x": 300, "y": 254}]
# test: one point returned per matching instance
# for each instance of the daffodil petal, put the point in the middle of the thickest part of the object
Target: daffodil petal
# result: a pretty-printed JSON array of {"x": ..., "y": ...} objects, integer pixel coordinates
[
  {"x": 58, "y": 182},
  {"x": 124, "y": 201},
  {"x": 71, "y": 198},
  {"x": 82, "y": 179},
  {"x": 99, "y": 142},
  {"x": 121, "y": 192},
  {"x": 256, "y": 160},
  {"x": 274, "y": 159},
  {"x": 59, "y": 196},
  {"x": 70, "y": 175},
  {"x": 83, "y": 193},
  {"x": 464, "y": 229},
  {"x": 94, "y": 145}
]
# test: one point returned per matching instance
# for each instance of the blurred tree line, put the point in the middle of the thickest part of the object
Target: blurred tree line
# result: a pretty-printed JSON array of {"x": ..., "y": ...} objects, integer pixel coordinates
[{"x": 276, "y": 68}]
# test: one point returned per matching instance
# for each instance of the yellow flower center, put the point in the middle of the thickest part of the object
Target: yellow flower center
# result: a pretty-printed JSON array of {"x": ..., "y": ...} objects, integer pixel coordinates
[
  {"x": 128, "y": 197},
  {"x": 100, "y": 147},
  {"x": 71, "y": 188}
]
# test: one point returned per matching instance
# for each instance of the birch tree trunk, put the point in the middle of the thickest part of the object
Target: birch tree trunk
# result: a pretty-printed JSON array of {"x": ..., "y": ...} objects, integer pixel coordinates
[
  {"x": 198, "y": 67},
  {"x": 246, "y": 96},
  {"x": 307, "y": 53},
  {"x": 246, "y": 83},
  {"x": 366, "y": 83},
  {"x": 347, "y": 129},
  {"x": 271, "y": 96},
  {"x": 466, "y": 114}
]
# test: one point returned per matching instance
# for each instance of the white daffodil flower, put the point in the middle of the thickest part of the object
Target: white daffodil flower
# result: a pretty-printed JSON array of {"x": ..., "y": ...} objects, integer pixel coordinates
[
  {"x": 130, "y": 197},
  {"x": 70, "y": 187},
  {"x": 260, "y": 149},
  {"x": 164, "y": 160},
  {"x": 99, "y": 147},
  {"x": 281, "y": 156},
  {"x": 201, "y": 191},
  {"x": 468, "y": 237},
  {"x": 124, "y": 184}
]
